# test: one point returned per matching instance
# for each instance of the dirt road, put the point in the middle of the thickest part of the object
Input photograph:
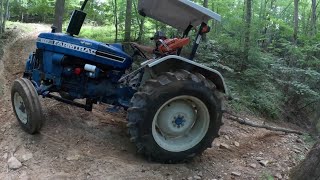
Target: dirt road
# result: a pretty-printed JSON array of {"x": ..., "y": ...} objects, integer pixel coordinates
[{"x": 75, "y": 144}]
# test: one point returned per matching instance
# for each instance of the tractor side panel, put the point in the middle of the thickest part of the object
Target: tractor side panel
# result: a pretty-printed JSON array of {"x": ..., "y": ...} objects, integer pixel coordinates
[
  {"x": 52, "y": 67},
  {"x": 45, "y": 66}
]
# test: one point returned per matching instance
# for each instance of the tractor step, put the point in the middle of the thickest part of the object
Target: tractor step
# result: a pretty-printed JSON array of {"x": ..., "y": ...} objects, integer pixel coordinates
[{"x": 87, "y": 106}]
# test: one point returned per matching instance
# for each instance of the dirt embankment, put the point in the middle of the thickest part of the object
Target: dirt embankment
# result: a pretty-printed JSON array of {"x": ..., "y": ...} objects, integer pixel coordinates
[{"x": 75, "y": 144}]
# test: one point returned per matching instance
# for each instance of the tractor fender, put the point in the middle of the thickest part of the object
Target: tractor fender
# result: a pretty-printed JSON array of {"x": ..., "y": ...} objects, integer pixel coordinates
[{"x": 155, "y": 67}]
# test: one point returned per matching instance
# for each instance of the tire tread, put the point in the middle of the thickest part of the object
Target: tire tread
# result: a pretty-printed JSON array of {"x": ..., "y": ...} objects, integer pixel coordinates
[{"x": 139, "y": 106}]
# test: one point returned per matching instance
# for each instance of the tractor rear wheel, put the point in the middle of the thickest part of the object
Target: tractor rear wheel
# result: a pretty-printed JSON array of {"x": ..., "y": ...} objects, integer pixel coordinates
[
  {"x": 175, "y": 117},
  {"x": 26, "y": 105}
]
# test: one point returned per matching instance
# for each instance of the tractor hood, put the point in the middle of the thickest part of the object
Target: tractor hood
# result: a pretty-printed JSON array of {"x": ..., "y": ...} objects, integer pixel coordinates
[
  {"x": 176, "y": 13},
  {"x": 96, "y": 52}
]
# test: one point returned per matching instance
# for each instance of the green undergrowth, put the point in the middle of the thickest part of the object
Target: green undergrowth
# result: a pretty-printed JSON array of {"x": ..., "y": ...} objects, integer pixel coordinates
[
  {"x": 308, "y": 139},
  {"x": 266, "y": 176},
  {"x": 277, "y": 83},
  {"x": 101, "y": 34},
  {"x": 252, "y": 90},
  {"x": 107, "y": 33}
]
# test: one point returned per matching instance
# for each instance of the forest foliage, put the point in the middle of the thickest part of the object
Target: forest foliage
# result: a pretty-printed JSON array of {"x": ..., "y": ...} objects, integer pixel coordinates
[{"x": 268, "y": 50}]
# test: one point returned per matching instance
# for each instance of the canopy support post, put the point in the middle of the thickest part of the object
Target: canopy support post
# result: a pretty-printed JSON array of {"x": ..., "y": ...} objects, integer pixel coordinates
[
  {"x": 185, "y": 34},
  {"x": 197, "y": 41}
]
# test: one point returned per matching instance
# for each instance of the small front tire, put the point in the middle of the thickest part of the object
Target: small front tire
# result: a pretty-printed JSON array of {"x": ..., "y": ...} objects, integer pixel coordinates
[{"x": 26, "y": 105}]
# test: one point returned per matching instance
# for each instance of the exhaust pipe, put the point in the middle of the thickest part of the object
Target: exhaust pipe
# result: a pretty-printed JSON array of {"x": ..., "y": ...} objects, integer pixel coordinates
[{"x": 76, "y": 21}]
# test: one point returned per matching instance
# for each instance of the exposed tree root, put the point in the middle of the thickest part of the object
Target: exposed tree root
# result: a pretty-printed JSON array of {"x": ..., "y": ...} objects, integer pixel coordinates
[{"x": 248, "y": 122}]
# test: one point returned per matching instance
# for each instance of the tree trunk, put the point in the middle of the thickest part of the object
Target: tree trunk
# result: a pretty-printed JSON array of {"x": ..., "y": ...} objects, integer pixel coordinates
[
  {"x": 317, "y": 117},
  {"x": 213, "y": 22},
  {"x": 58, "y": 15},
  {"x": 127, "y": 29},
  {"x": 163, "y": 28},
  {"x": 271, "y": 29},
  {"x": 1, "y": 17},
  {"x": 205, "y": 4},
  {"x": 157, "y": 26},
  {"x": 141, "y": 25},
  {"x": 7, "y": 10},
  {"x": 304, "y": 20},
  {"x": 264, "y": 23},
  {"x": 241, "y": 37},
  {"x": 314, "y": 18},
  {"x": 296, "y": 21},
  {"x": 310, "y": 167},
  {"x": 6, "y": 14},
  {"x": 141, "y": 21},
  {"x": 115, "y": 20},
  {"x": 247, "y": 34},
  {"x": 262, "y": 10}
]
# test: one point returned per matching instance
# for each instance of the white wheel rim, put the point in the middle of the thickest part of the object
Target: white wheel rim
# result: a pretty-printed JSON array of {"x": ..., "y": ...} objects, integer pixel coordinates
[
  {"x": 180, "y": 123},
  {"x": 20, "y": 108}
]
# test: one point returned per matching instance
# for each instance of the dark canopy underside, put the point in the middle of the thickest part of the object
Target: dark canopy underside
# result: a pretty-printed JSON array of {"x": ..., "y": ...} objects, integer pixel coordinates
[{"x": 176, "y": 13}]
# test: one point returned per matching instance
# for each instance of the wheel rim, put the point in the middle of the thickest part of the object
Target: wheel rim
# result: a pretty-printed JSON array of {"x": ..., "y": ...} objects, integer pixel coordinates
[
  {"x": 20, "y": 108},
  {"x": 180, "y": 123}
]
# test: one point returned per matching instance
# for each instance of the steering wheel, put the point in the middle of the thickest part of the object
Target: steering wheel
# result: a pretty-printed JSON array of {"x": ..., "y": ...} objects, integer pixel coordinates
[{"x": 137, "y": 51}]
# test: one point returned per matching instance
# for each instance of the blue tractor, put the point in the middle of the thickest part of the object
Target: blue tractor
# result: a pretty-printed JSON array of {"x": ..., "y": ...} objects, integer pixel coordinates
[{"x": 174, "y": 104}]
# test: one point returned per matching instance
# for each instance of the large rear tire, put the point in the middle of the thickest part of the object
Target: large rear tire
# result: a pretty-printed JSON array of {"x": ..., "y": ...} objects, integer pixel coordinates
[
  {"x": 175, "y": 117},
  {"x": 26, "y": 105}
]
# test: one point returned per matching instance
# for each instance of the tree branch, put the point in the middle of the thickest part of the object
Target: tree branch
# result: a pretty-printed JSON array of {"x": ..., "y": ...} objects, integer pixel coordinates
[
  {"x": 252, "y": 124},
  {"x": 311, "y": 103}
]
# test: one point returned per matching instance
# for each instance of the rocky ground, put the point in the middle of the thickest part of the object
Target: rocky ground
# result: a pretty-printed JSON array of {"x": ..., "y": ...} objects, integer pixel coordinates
[{"x": 75, "y": 144}]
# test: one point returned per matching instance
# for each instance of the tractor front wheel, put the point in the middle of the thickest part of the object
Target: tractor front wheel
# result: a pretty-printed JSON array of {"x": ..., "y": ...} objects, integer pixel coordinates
[
  {"x": 175, "y": 116},
  {"x": 26, "y": 105}
]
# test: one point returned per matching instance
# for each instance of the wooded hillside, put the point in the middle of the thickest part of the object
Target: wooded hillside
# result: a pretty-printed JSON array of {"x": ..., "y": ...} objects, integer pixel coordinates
[{"x": 268, "y": 50}]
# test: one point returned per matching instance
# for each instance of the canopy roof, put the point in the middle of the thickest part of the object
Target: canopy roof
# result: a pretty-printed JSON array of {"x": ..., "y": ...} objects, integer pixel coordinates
[{"x": 176, "y": 13}]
